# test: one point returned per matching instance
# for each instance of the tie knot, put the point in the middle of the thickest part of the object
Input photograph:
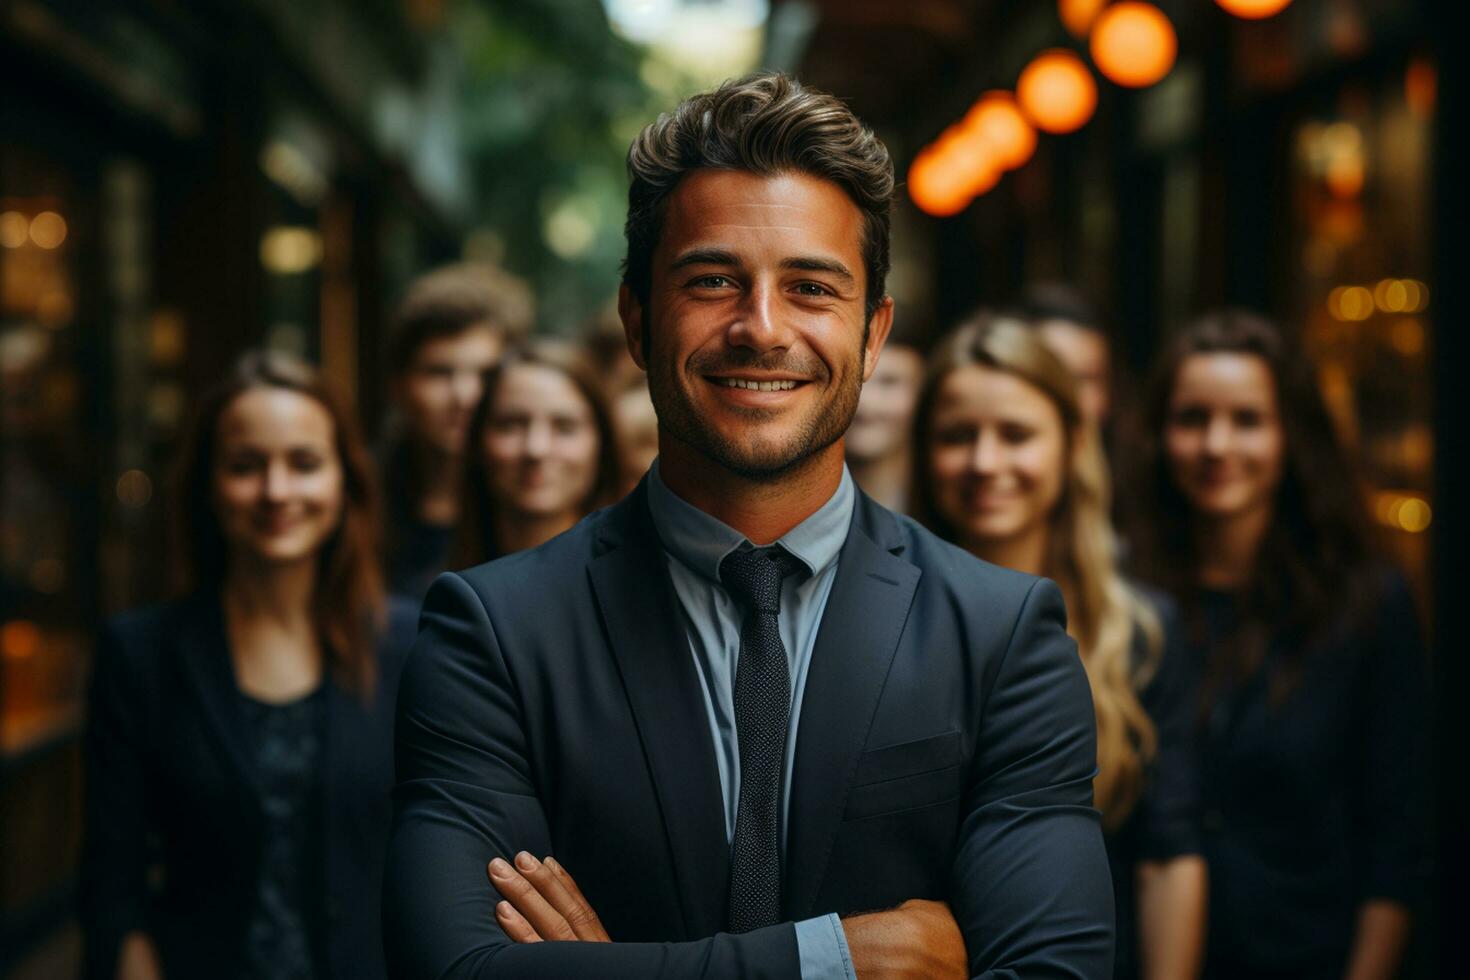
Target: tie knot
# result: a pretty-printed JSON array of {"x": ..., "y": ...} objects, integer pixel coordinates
[{"x": 754, "y": 576}]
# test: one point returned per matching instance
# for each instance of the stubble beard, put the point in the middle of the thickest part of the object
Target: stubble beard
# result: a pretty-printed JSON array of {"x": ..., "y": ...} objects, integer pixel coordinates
[{"x": 758, "y": 459}]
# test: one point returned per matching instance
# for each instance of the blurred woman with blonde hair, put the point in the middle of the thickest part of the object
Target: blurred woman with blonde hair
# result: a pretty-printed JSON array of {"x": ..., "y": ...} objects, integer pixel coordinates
[{"x": 1007, "y": 467}]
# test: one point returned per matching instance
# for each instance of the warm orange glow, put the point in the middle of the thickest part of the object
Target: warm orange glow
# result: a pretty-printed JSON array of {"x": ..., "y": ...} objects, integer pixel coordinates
[
  {"x": 936, "y": 186},
  {"x": 1254, "y": 9},
  {"x": 15, "y": 229},
  {"x": 1421, "y": 84},
  {"x": 19, "y": 639},
  {"x": 1077, "y": 15},
  {"x": 48, "y": 229},
  {"x": 997, "y": 120},
  {"x": 1056, "y": 91},
  {"x": 1133, "y": 44},
  {"x": 974, "y": 161}
]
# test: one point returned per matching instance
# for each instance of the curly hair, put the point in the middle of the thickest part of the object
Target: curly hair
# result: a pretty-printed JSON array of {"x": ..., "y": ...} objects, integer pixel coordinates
[{"x": 768, "y": 124}]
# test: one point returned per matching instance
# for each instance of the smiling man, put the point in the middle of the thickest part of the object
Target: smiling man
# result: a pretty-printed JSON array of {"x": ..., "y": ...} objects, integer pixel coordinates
[{"x": 766, "y": 727}]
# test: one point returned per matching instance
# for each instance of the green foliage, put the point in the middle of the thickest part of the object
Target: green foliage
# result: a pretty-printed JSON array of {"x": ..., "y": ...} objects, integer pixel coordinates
[{"x": 551, "y": 98}]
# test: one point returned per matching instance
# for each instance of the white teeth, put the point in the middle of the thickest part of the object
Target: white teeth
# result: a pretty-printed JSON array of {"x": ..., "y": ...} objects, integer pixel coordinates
[{"x": 758, "y": 385}]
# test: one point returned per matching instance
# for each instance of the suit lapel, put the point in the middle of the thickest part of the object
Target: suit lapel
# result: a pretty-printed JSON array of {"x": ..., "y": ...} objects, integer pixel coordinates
[
  {"x": 860, "y": 629},
  {"x": 645, "y": 627},
  {"x": 203, "y": 651}
]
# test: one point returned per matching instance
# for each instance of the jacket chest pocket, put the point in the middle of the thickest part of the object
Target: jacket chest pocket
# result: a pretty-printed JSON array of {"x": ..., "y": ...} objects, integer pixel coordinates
[{"x": 907, "y": 776}]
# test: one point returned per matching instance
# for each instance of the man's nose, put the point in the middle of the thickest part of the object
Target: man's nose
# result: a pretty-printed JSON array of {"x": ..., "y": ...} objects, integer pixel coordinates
[
  {"x": 760, "y": 324},
  {"x": 466, "y": 388}
]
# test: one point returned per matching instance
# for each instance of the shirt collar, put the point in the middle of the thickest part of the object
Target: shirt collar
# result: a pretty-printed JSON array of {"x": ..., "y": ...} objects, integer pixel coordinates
[{"x": 701, "y": 542}]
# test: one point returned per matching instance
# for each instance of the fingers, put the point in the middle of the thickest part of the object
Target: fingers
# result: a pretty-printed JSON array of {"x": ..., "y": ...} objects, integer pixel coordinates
[
  {"x": 513, "y": 924},
  {"x": 582, "y": 916},
  {"x": 547, "y": 899},
  {"x": 514, "y": 887}
]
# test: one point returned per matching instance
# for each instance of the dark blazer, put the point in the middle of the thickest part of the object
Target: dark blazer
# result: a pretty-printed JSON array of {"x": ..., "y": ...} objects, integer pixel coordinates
[
  {"x": 171, "y": 788},
  {"x": 945, "y": 751}
]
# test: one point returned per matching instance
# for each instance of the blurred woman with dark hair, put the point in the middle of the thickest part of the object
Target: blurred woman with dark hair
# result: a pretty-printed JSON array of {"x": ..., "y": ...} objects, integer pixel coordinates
[
  {"x": 1314, "y": 770},
  {"x": 1008, "y": 466},
  {"x": 541, "y": 452},
  {"x": 239, "y": 744}
]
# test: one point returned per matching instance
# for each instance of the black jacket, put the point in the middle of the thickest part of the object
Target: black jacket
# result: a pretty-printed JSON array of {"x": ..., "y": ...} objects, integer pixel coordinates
[
  {"x": 946, "y": 750},
  {"x": 173, "y": 819}
]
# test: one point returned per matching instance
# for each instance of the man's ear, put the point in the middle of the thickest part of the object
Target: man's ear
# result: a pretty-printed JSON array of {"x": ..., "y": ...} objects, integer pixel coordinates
[
  {"x": 630, "y": 311},
  {"x": 878, "y": 329}
]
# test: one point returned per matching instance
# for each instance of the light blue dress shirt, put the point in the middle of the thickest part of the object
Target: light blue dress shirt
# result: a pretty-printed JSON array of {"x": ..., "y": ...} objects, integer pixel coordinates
[{"x": 694, "y": 544}]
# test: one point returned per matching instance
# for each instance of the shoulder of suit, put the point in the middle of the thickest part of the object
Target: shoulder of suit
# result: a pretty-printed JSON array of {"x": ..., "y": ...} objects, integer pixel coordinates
[
  {"x": 556, "y": 563},
  {"x": 951, "y": 567}
]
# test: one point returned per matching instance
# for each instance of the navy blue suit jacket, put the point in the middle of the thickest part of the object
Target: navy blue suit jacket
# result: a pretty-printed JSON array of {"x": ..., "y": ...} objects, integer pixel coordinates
[
  {"x": 945, "y": 751},
  {"x": 172, "y": 786}
]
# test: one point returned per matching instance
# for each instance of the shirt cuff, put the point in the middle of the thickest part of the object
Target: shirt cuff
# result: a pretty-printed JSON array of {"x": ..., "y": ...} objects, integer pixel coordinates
[{"x": 822, "y": 946}]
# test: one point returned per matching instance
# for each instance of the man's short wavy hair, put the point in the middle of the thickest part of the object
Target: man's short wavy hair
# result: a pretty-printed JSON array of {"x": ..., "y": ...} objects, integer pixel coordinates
[{"x": 768, "y": 124}]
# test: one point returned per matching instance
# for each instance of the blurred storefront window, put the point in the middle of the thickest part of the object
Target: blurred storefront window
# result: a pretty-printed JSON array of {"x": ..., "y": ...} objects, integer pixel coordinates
[{"x": 1362, "y": 225}]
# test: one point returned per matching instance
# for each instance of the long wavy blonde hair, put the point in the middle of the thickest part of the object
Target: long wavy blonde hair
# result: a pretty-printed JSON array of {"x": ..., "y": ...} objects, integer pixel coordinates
[{"x": 1104, "y": 613}]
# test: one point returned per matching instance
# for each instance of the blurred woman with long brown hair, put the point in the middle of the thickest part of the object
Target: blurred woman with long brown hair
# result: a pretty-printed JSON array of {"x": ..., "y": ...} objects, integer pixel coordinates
[
  {"x": 1313, "y": 758},
  {"x": 239, "y": 744},
  {"x": 541, "y": 452},
  {"x": 1007, "y": 467}
]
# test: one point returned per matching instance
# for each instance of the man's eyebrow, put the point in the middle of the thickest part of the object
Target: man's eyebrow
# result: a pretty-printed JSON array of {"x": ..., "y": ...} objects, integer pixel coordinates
[
  {"x": 807, "y": 264},
  {"x": 704, "y": 256}
]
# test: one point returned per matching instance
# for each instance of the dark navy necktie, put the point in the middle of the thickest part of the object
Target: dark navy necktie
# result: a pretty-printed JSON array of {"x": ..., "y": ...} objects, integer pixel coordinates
[{"x": 762, "y": 716}]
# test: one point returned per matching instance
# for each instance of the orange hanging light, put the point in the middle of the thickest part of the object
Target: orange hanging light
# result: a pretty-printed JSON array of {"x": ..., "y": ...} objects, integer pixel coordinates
[
  {"x": 1133, "y": 44},
  {"x": 973, "y": 162},
  {"x": 1254, "y": 9},
  {"x": 935, "y": 187},
  {"x": 998, "y": 121},
  {"x": 1056, "y": 91},
  {"x": 1077, "y": 15}
]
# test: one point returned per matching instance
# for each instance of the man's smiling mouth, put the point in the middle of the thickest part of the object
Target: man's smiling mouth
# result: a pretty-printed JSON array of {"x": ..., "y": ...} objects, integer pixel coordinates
[{"x": 756, "y": 385}]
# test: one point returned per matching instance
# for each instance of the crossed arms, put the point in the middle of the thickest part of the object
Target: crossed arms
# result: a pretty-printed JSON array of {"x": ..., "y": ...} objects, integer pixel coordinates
[{"x": 1029, "y": 885}]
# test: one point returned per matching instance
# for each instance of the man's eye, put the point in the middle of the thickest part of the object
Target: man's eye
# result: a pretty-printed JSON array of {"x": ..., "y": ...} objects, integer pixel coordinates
[
  {"x": 712, "y": 282},
  {"x": 812, "y": 289},
  {"x": 1192, "y": 418}
]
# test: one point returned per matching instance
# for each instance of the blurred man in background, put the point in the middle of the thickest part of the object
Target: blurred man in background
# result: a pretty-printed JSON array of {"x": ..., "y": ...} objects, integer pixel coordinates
[{"x": 451, "y": 328}]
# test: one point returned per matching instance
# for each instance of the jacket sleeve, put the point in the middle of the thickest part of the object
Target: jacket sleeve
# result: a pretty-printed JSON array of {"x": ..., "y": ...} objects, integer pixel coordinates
[
  {"x": 113, "y": 883},
  {"x": 1031, "y": 889},
  {"x": 465, "y": 793}
]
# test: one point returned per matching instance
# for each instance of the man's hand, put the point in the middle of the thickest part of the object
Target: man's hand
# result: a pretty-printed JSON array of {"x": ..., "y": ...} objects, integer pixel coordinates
[
  {"x": 541, "y": 901},
  {"x": 918, "y": 940}
]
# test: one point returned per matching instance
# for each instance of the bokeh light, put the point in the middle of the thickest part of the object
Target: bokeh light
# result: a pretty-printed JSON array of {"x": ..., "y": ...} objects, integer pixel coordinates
[
  {"x": 998, "y": 121},
  {"x": 48, "y": 230},
  {"x": 1057, "y": 92},
  {"x": 1254, "y": 9},
  {"x": 936, "y": 186},
  {"x": 1133, "y": 44},
  {"x": 20, "y": 639},
  {"x": 1078, "y": 15},
  {"x": 15, "y": 229}
]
